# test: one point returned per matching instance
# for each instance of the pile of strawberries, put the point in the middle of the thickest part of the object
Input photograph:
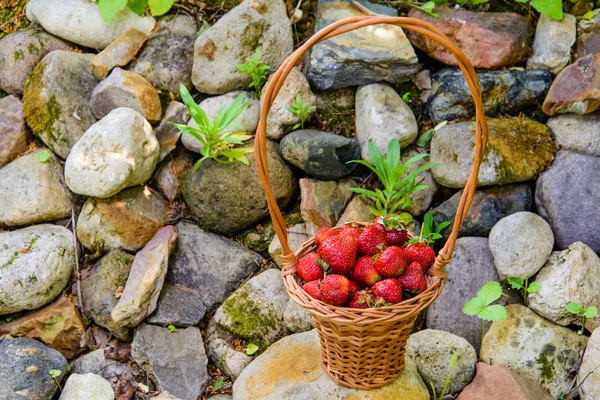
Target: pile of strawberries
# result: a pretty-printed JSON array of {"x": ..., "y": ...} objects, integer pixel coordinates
[{"x": 370, "y": 267}]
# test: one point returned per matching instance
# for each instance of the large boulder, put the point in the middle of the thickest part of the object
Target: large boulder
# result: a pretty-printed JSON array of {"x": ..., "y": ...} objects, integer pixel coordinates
[
  {"x": 552, "y": 43},
  {"x": 56, "y": 99},
  {"x": 235, "y": 37},
  {"x": 567, "y": 196},
  {"x": 589, "y": 376},
  {"x": 13, "y": 136},
  {"x": 577, "y": 132},
  {"x": 35, "y": 266},
  {"x": 117, "y": 152}
]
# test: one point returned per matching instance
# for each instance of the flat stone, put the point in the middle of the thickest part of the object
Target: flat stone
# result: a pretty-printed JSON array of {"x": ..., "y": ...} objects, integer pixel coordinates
[
  {"x": 221, "y": 351},
  {"x": 323, "y": 202},
  {"x": 88, "y": 386},
  {"x": 495, "y": 382},
  {"x": 323, "y": 155},
  {"x": 210, "y": 264},
  {"x": 24, "y": 366},
  {"x": 146, "y": 278},
  {"x": 179, "y": 306},
  {"x": 119, "y": 53},
  {"x": 297, "y": 235},
  {"x": 126, "y": 89},
  {"x": 212, "y": 191},
  {"x": 117, "y": 373},
  {"x": 539, "y": 350},
  {"x": 20, "y": 52},
  {"x": 291, "y": 368},
  {"x": 166, "y": 60},
  {"x": 357, "y": 210},
  {"x": 577, "y": 132},
  {"x": 32, "y": 191},
  {"x": 504, "y": 92},
  {"x": 235, "y": 37},
  {"x": 13, "y": 136},
  {"x": 507, "y": 36},
  {"x": 382, "y": 115},
  {"x": 127, "y": 220},
  {"x": 573, "y": 217},
  {"x": 99, "y": 291},
  {"x": 58, "y": 325},
  {"x": 588, "y": 376},
  {"x": 360, "y": 57},
  {"x": 35, "y": 266},
  {"x": 517, "y": 150},
  {"x": 177, "y": 359},
  {"x": 56, "y": 98},
  {"x": 63, "y": 18},
  {"x": 432, "y": 350},
  {"x": 568, "y": 276},
  {"x": 115, "y": 153},
  {"x": 552, "y": 43},
  {"x": 166, "y": 133},
  {"x": 172, "y": 171}
]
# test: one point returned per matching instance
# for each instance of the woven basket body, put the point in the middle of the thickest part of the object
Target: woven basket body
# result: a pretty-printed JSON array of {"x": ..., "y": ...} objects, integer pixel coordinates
[{"x": 364, "y": 348}]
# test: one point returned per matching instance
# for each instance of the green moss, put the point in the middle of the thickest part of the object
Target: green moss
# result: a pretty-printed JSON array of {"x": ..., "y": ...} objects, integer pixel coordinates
[
  {"x": 341, "y": 123},
  {"x": 32, "y": 49},
  {"x": 547, "y": 371},
  {"x": 18, "y": 55},
  {"x": 247, "y": 318},
  {"x": 11, "y": 260}
]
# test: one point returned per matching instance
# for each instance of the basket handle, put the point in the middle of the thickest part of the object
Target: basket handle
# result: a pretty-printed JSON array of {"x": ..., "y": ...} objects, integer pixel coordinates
[{"x": 338, "y": 28}]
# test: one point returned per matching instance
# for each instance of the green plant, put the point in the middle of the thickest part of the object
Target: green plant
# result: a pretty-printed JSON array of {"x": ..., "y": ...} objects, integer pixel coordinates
[
  {"x": 451, "y": 365},
  {"x": 406, "y": 97},
  {"x": 585, "y": 313},
  {"x": 397, "y": 183},
  {"x": 55, "y": 373},
  {"x": 215, "y": 144},
  {"x": 172, "y": 328},
  {"x": 109, "y": 8},
  {"x": 525, "y": 286},
  {"x": 301, "y": 110},
  {"x": 219, "y": 384},
  {"x": 43, "y": 156},
  {"x": 251, "y": 349},
  {"x": 256, "y": 69},
  {"x": 552, "y": 8},
  {"x": 481, "y": 305}
]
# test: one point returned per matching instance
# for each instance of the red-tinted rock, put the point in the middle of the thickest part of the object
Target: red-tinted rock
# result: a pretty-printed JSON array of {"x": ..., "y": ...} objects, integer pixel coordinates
[
  {"x": 495, "y": 382},
  {"x": 489, "y": 40},
  {"x": 587, "y": 43},
  {"x": 576, "y": 89}
]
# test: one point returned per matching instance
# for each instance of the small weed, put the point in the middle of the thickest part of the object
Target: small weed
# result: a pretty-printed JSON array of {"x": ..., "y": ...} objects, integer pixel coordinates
[
  {"x": 583, "y": 312},
  {"x": 257, "y": 70},
  {"x": 302, "y": 110},
  {"x": 524, "y": 286},
  {"x": 109, "y": 8},
  {"x": 481, "y": 305},
  {"x": 251, "y": 349},
  {"x": 172, "y": 328}
]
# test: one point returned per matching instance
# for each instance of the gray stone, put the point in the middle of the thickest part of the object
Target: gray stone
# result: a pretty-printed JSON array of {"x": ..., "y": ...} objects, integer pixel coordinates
[
  {"x": 323, "y": 202},
  {"x": 127, "y": 220},
  {"x": 521, "y": 244},
  {"x": 166, "y": 60},
  {"x": 297, "y": 235},
  {"x": 99, "y": 288},
  {"x": 589, "y": 376},
  {"x": 504, "y": 92},
  {"x": 235, "y": 37},
  {"x": 552, "y": 43},
  {"x": 79, "y": 21},
  {"x": 88, "y": 386},
  {"x": 534, "y": 347},
  {"x": 56, "y": 99},
  {"x": 363, "y": 56},
  {"x": 13, "y": 136},
  {"x": 382, "y": 115},
  {"x": 421, "y": 199},
  {"x": 569, "y": 275},
  {"x": 323, "y": 155},
  {"x": 517, "y": 150},
  {"x": 567, "y": 196},
  {"x": 357, "y": 211},
  {"x": 117, "y": 373},
  {"x": 209, "y": 264},
  {"x": 222, "y": 352},
  {"x": 19, "y": 53},
  {"x": 32, "y": 191},
  {"x": 296, "y": 318},
  {"x": 177, "y": 359},
  {"x": 337, "y": 99},
  {"x": 126, "y": 89},
  {"x": 24, "y": 366},
  {"x": 172, "y": 171},
  {"x": 212, "y": 191},
  {"x": 471, "y": 267},
  {"x": 179, "y": 306},
  {"x": 117, "y": 152},
  {"x": 165, "y": 395},
  {"x": 166, "y": 133},
  {"x": 431, "y": 350},
  {"x": 577, "y": 132},
  {"x": 35, "y": 266}
]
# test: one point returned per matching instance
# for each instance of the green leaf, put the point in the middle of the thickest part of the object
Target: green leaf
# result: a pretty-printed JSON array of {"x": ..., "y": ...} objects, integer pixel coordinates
[
  {"x": 109, "y": 8},
  {"x": 534, "y": 287},
  {"x": 587, "y": 15},
  {"x": 573, "y": 308},
  {"x": 44, "y": 156},
  {"x": 218, "y": 384},
  {"x": 494, "y": 312},
  {"x": 159, "y": 7},
  {"x": 477, "y": 2},
  {"x": 516, "y": 282},
  {"x": 172, "y": 328},
  {"x": 590, "y": 312},
  {"x": 251, "y": 349},
  {"x": 473, "y": 306},
  {"x": 425, "y": 138},
  {"x": 453, "y": 359},
  {"x": 552, "y": 8},
  {"x": 195, "y": 111},
  {"x": 137, "y": 6},
  {"x": 428, "y": 8},
  {"x": 428, "y": 223},
  {"x": 55, "y": 373},
  {"x": 441, "y": 226},
  {"x": 490, "y": 292}
]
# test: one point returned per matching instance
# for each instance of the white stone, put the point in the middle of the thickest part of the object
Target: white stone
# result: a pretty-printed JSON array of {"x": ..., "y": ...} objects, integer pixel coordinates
[
  {"x": 552, "y": 43},
  {"x": 577, "y": 132},
  {"x": 88, "y": 387},
  {"x": 589, "y": 372},
  {"x": 219, "y": 349}
]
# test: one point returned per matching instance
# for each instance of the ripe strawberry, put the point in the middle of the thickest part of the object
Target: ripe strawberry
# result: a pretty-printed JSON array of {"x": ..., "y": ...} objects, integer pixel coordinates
[
  {"x": 413, "y": 280},
  {"x": 395, "y": 231},
  {"x": 370, "y": 240},
  {"x": 353, "y": 231},
  {"x": 362, "y": 299},
  {"x": 389, "y": 290},
  {"x": 339, "y": 252},
  {"x": 392, "y": 262},
  {"x": 308, "y": 267},
  {"x": 313, "y": 288},
  {"x": 354, "y": 287},
  {"x": 365, "y": 272},
  {"x": 335, "y": 289},
  {"x": 323, "y": 234},
  {"x": 421, "y": 253}
]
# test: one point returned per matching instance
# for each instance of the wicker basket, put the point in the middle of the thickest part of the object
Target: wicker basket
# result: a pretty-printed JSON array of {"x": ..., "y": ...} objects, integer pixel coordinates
[{"x": 364, "y": 348}]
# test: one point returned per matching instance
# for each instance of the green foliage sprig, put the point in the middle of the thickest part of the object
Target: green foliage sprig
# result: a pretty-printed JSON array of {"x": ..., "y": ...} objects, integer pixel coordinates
[
  {"x": 451, "y": 365},
  {"x": 585, "y": 313},
  {"x": 481, "y": 305},
  {"x": 256, "y": 69},
  {"x": 109, "y": 8},
  {"x": 216, "y": 145},
  {"x": 524, "y": 286},
  {"x": 428, "y": 235},
  {"x": 302, "y": 110},
  {"x": 552, "y": 8}
]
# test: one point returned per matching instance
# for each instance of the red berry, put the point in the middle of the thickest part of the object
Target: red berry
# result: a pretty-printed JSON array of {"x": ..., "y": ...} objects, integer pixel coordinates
[
  {"x": 313, "y": 288},
  {"x": 362, "y": 299},
  {"x": 323, "y": 234},
  {"x": 392, "y": 262},
  {"x": 339, "y": 252},
  {"x": 335, "y": 289},
  {"x": 421, "y": 253},
  {"x": 350, "y": 230},
  {"x": 389, "y": 290},
  {"x": 413, "y": 280},
  {"x": 395, "y": 237},
  {"x": 308, "y": 267},
  {"x": 354, "y": 287},
  {"x": 365, "y": 272},
  {"x": 371, "y": 240}
]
